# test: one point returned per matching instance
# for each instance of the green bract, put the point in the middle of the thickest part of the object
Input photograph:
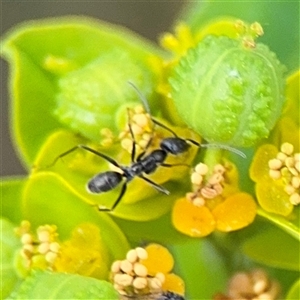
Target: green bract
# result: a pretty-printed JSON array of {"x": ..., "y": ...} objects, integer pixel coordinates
[
  {"x": 9, "y": 245},
  {"x": 90, "y": 98},
  {"x": 228, "y": 93},
  {"x": 46, "y": 285}
]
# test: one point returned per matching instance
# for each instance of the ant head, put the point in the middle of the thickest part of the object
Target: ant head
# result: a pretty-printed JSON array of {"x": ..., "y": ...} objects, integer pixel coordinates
[{"x": 174, "y": 145}]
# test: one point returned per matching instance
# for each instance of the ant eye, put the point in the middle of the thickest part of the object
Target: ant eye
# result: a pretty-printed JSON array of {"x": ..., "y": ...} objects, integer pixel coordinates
[{"x": 227, "y": 92}]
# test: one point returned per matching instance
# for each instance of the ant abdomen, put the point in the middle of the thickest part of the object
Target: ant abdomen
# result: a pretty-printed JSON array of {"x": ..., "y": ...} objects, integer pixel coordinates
[{"x": 104, "y": 182}]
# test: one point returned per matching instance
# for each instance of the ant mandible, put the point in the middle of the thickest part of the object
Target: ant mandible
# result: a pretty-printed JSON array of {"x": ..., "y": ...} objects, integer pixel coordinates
[{"x": 143, "y": 164}]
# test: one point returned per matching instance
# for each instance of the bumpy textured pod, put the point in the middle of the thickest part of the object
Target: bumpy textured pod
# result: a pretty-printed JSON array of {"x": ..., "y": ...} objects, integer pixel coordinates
[
  {"x": 91, "y": 98},
  {"x": 229, "y": 93}
]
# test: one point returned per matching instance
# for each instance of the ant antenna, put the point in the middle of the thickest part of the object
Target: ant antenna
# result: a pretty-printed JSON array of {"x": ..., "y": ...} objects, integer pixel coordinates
[
  {"x": 225, "y": 147},
  {"x": 142, "y": 97}
]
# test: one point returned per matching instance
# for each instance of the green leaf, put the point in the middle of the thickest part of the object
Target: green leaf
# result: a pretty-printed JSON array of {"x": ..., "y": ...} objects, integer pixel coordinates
[
  {"x": 159, "y": 230},
  {"x": 202, "y": 268},
  {"x": 281, "y": 34},
  {"x": 47, "y": 200},
  {"x": 11, "y": 190},
  {"x": 9, "y": 245},
  {"x": 44, "y": 52},
  {"x": 46, "y": 285},
  {"x": 294, "y": 292},
  {"x": 289, "y": 225},
  {"x": 273, "y": 247}
]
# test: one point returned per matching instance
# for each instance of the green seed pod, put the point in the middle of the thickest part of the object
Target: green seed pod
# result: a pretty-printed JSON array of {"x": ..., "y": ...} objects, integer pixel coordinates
[
  {"x": 229, "y": 93},
  {"x": 90, "y": 98}
]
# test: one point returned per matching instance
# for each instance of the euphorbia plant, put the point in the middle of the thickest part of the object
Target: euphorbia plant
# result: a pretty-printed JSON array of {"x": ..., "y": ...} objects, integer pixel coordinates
[{"x": 211, "y": 82}]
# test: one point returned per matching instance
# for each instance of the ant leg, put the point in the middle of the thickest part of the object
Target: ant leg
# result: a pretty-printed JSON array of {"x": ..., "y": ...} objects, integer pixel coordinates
[
  {"x": 133, "y": 150},
  {"x": 155, "y": 185},
  {"x": 174, "y": 165},
  {"x": 123, "y": 190},
  {"x": 112, "y": 161}
]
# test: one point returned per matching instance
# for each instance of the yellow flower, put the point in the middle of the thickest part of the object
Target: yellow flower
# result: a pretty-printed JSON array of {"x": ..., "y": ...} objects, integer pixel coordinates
[
  {"x": 275, "y": 166},
  {"x": 215, "y": 204},
  {"x": 84, "y": 253},
  {"x": 146, "y": 271}
]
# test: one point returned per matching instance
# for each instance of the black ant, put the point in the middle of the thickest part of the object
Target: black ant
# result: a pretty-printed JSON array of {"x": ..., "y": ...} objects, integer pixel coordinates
[
  {"x": 170, "y": 296},
  {"x": 143, "y": 164}
]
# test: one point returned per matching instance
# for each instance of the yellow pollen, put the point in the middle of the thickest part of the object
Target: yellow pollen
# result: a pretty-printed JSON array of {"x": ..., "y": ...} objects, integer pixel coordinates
[
  {"x": 199, "y": 201},
  {"x": 196, "y": 178},
  {"x": 275, "y": 164},
  {"x": 219, "y": 169},
  {"x": 216, "y": 178},
  {"x": 141, "y": 120},
  {"x": 126, "y": 144},
  {"x": 140, "y": 283},
  {"x": 296, "y": 182},
  {"x": 140, "y": 270},
  {"x": 141, "y": 253},
  {"x": 274, "y": 174},
  {"x": 44, "y": 236},
  {"x": 43, "y": 248},
  {"x": 201, "y": 169},
  {"x": 50, "y": 257},
  {"x": 208, "y": 193},
  {"x": 295, "y": 199},
  {"x": 126, "y": 266},
  {"x": 139, "y": 109},
  {"x": 26, "y": 238},
  {"x": 136, "y": 129},
  {"x": 281, "y": 156},
  {"x": 289, "y": 189},
  {"x": 287, "y": 148},
  {"x": 155, "y": 283},
  {"x": 286, "y": 167},
  {"x": 116, "y": 266}
]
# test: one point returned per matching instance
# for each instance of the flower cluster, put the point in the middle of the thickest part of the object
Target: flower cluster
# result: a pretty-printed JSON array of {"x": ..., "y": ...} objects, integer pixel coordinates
[
  {"x": 214, "y": 203},
  {"x": 253, "y": 285},
  {"x": 146, "y": 271},
  {"x": 40, "y": 250}
]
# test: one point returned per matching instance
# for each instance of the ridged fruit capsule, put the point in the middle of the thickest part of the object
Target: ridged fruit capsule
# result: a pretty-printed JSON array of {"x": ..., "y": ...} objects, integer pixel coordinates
[{"x": 227, "y": 92}]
